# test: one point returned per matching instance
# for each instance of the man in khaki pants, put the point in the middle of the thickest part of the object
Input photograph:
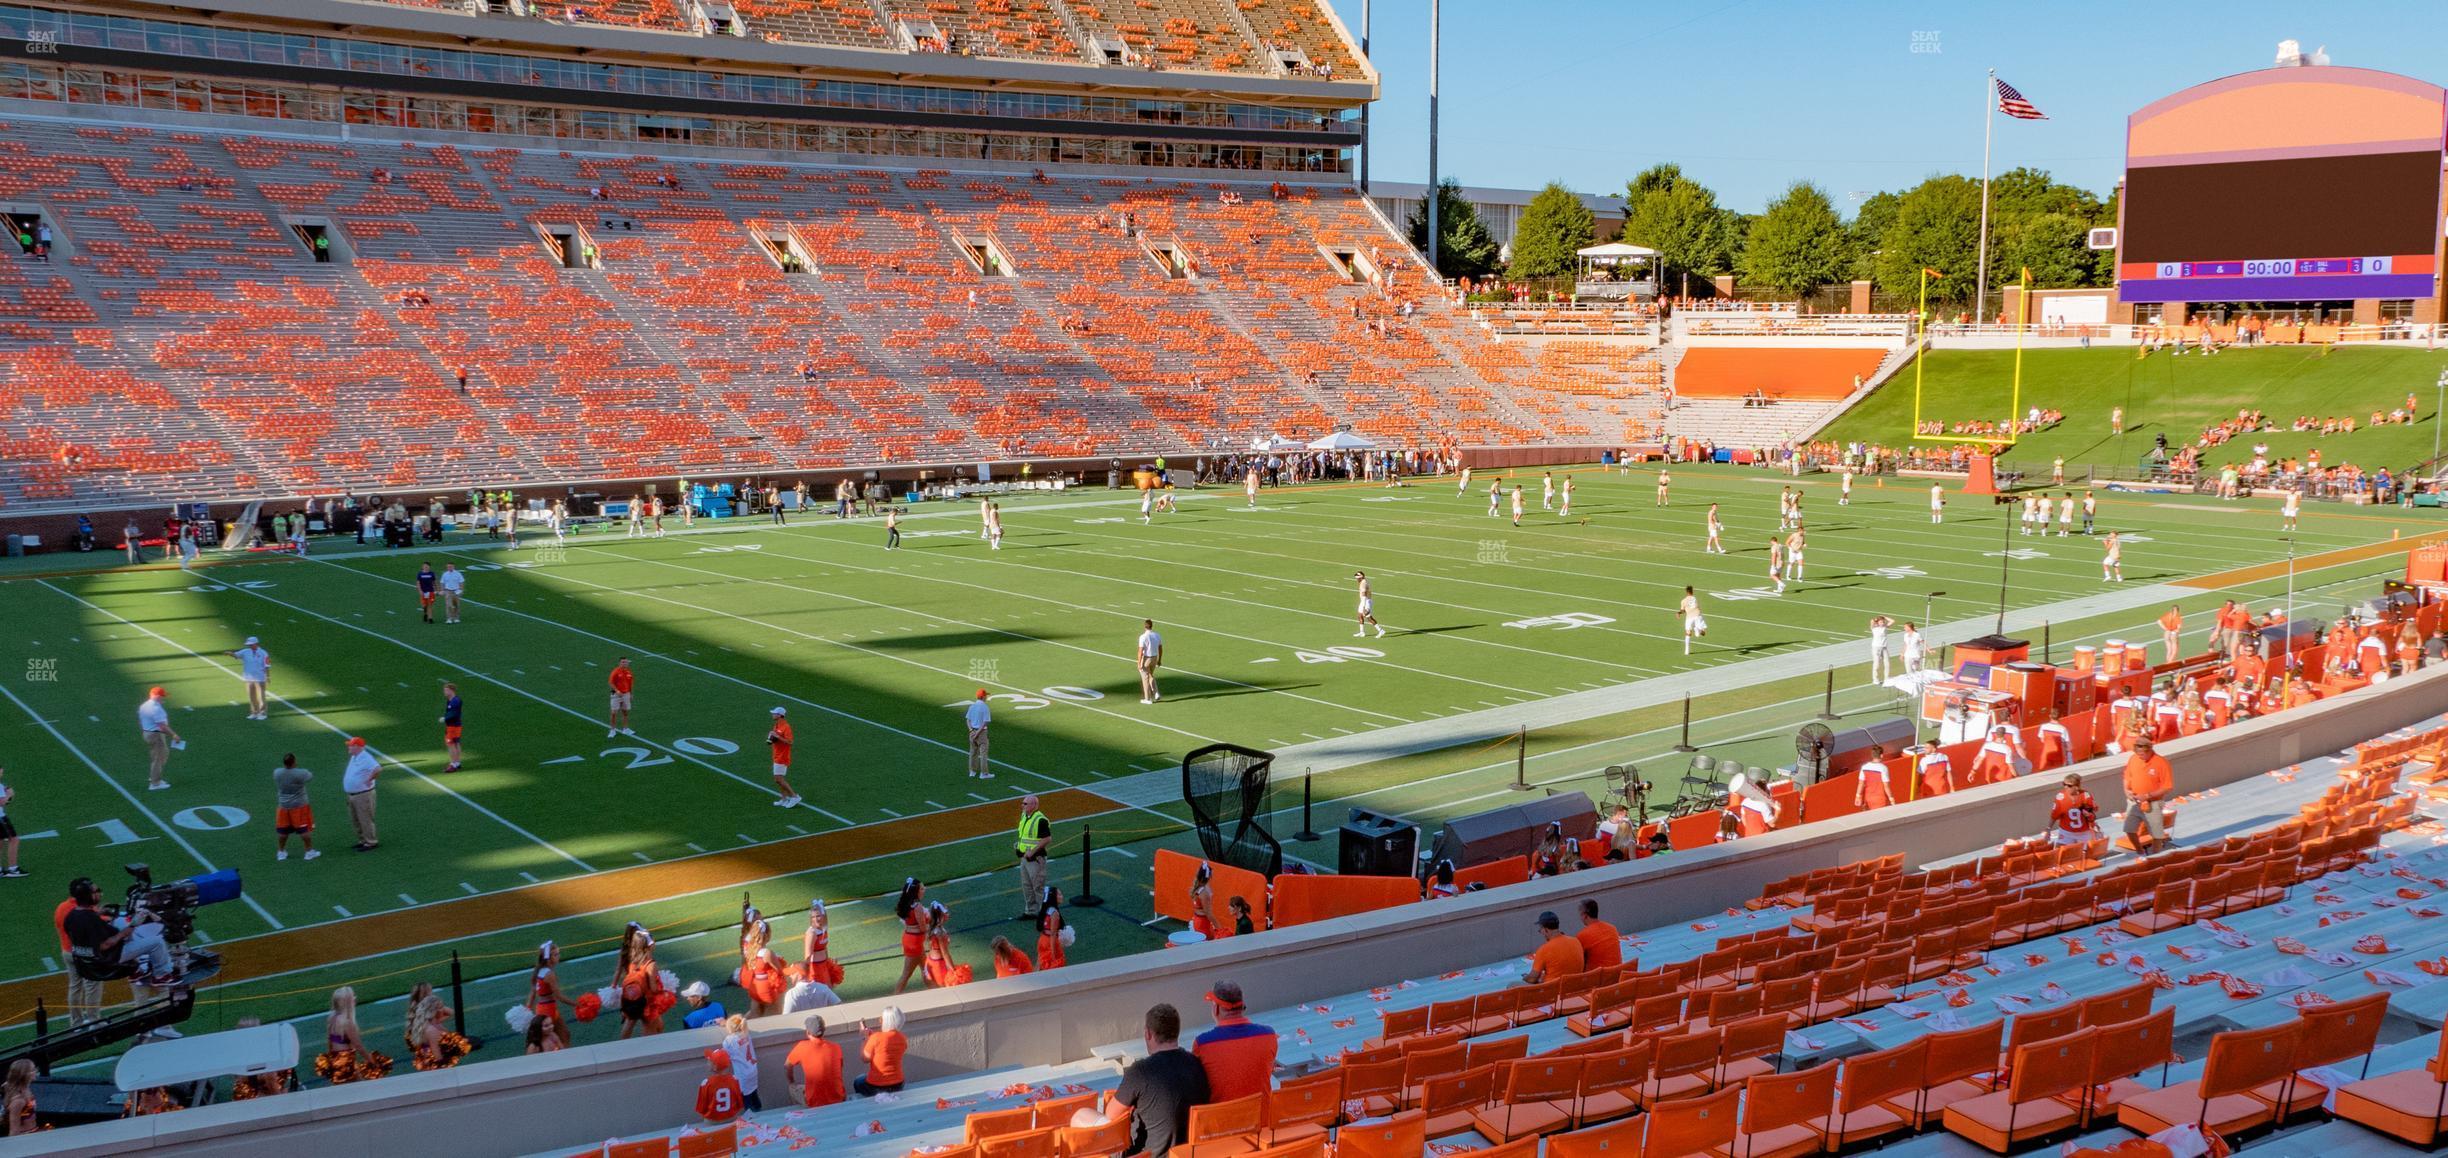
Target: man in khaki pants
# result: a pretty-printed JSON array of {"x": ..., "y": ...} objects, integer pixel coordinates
[
  {"x": 357, "y": 780},
  {"x": 979, "y": 717}
]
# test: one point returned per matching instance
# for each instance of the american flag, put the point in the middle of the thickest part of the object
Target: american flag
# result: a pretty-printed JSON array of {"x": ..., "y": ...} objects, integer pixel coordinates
[{"x": 2012, "y": 103}]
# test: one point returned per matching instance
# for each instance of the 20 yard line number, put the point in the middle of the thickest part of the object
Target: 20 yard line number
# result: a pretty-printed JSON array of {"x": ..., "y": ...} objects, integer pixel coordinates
[
  {"x": 1045, "y": 697},
  {"x": 640, "y": 757}
]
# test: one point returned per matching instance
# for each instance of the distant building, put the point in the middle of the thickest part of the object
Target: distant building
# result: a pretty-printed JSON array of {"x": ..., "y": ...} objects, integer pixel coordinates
[{"x": 1500, "y": 208}]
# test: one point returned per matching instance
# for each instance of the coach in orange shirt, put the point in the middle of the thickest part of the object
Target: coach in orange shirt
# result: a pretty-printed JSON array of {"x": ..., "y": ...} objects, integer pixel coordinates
[
  {"x": 1557, "y": 956},
  {"x": 1601, "y": 944},
  {"x": 2148, "y": 780}
]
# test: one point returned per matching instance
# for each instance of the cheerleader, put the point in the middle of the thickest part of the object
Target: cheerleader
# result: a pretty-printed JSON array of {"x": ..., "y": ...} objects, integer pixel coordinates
[
  {"x": 638, "y": 984},
  {"x": 1441, "y": 880},
  {"x": 345, "y": 1057},
  {"x": 755, "y": 934},
  {"x": 431, "y": 1043},
  {"x": 544, "y": 994},
  {"x": 262, "y": 1085},
  {"x": 937, "y": 962},
  {"x": 1009, "y": 961},
  {"x": 765, "y": 979},
  {"x": 1053, "y": 937},
  {"x": 816, "y": 961},
  {"x": 910, "y": 908},
  {"x": 17, "y": 1100},
  {"x": 1202, "y": 901}
]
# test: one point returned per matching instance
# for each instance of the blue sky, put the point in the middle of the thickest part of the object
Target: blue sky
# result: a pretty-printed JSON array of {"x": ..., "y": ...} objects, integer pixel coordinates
[{"x": 1751, "y": 95}]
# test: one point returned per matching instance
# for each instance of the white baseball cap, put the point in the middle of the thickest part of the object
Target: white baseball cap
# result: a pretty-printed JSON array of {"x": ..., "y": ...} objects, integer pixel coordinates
[
  {"x": 251, "y": 641},
  {"x": 780, "y": 712}
]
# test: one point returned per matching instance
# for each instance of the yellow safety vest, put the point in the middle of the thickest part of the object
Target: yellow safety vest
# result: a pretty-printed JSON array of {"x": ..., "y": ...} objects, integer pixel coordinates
[{"x": 1032, "y": 830}]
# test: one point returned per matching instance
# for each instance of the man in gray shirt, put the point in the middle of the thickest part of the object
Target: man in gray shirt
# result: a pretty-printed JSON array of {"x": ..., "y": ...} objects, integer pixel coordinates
[{"x": 293, "y": 815}]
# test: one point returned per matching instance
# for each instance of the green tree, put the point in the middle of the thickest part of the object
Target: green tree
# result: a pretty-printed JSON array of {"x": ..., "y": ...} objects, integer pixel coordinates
[
  {"x": 1868, "y": 231},
  {"x": 1651, "y": 180},
  {"x": 1936, "y": 226},
  {"x": 2051, "y": 245},
  {"x": 1797, "y": 245},
  {"x": 1464, "y": 247},
  {"x": 1553, "y": 227},
  {"x": 1682, "y": 221}
]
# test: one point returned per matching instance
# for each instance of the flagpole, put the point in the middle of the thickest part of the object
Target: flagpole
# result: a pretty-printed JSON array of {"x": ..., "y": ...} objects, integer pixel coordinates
[{"x": 1980, "y": 287}]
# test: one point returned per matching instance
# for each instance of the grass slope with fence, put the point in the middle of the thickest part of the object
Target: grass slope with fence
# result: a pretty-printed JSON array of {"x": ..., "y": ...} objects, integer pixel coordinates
[{"x": 2167, "y": 393}]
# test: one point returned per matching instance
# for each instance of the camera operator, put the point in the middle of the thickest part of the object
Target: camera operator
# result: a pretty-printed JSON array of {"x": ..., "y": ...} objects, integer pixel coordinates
[{"x": 94, "y": 935}]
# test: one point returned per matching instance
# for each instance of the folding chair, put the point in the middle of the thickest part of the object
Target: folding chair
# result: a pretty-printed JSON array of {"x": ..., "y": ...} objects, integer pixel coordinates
[
  {"x": 2039, "y": 1025},
  {"x": 2220, "y": 1101},
  {"x": 1431, "y": 1063},
  {"x": 2126, "y": 1049},
  {"x": 1451, "y": 1101},
  {"x": 1404, "y": 1135},
  {"x": 1302, "y": 1109},
  {"x": 1106, "y": 1141},
  {"x": 1958, "y": 1067},
  {"x": 1217, "y": 1129},
  {"x": 1786, "y": 1115},
  {"x": 1480, "y": 1053},
  {"x": 1705, "y": 1124},
  {"x": 1682, "y": 1066},
  {"x": 1744, "y": 1051},
  {"x": 1619, "y": 1139},
  {"x": 1611, "y": 1083},
  {"x": 2332, "y": 1035},
  {"x": 1401, "y": 1023},
  {"x": 2119, "y": 1005},
  {"x": 1375, "y": 1086},
  {"x": 1058, "y": 1111},
  {"x": 1040, "y": 1144},
  {"x": 2411, "y": 1105},
  {"x": 2033, "y": 1103},
  {"x": 1835, "y": 991},
  {"x": 985, "y": 1124},
  {"x": 1537, "y": 1098},
  {"x": 716, "y": 1143}
]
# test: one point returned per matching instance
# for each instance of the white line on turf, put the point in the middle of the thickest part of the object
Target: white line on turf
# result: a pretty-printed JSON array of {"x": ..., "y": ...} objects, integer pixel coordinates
[
  {"x": 333, "y": 728},
  {"x": 514, "y": 688},
  {"x": 139, "y": 805}
]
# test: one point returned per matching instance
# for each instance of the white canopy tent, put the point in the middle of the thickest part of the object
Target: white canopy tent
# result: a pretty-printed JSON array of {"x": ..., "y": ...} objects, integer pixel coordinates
[
  {"x": 1274, "y": 443},
  {"x": 1615, "y": 261},
  {"x": 1342, "y": 440}
]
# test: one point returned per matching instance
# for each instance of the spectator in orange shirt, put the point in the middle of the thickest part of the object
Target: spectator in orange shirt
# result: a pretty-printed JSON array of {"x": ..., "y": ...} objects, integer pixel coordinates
[
  {"x": 882, "y": 1048},
  {"x": 718, "y": 1096},
  {"x": 1601, "y": 945},
  {"x": 2148, "y": 780},
  {"x": 814, "y": 1067},
  {"x": 2171, "y": 629},
  {"x": 1557, "y": 956},
  {"x": 1238, "y": 1054}
]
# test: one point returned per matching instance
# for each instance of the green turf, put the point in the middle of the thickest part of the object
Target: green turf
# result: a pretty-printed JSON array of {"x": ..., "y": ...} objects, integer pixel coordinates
[
  {"x": 873, "y": 652},
  {"x": 2170, "y": 394}
]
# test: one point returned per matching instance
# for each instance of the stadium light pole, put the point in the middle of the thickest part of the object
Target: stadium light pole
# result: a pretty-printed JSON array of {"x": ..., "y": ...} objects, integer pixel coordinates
[
  {"x": 2436, "y": 405},
  {"x": 1365, "y": 150},
  {"x": 1436, "y": 19}
]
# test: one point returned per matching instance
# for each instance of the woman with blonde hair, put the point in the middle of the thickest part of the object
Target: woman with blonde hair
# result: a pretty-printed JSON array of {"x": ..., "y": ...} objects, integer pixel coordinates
[
  {"x": 345, "y": 1057},
  {"x": 544, "y": 994},
  {"x": 432, "y": 1044},
  {"x": 1009, "y": 961},
  {"x": 742, "y": 1048},
  {"x": 882, "y": 1048},
  {"x": 17, "y": 1098},
  {"x": 815, "y": 952}
]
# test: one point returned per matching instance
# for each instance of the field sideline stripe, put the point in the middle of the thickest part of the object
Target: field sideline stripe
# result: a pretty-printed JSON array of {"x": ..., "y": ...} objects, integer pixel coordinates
[
  {"x": 335, "y": 943},
  {"x": 2264, "y": 571},
  {"x": 121, "y": 789},
  {"x": 335, "y": 729}
]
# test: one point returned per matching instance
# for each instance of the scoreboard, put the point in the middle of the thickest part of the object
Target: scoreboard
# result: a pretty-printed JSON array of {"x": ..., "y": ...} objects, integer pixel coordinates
[{"x": 2406, "y": 275}]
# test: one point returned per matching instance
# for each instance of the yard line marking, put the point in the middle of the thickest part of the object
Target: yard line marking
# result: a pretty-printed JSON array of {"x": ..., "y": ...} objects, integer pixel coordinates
[
  {"x": 333, "y": 728},
  {"x": 531, "y": 877},
  {"x": 565, "y": 709},
  {"x": 935, "y": 806},
  {"x": 888, "y": 812},
  {"x": 50, "y": 966},
  {"x": 1152, "y": 922},
  {"x": 467, "y": 888},
  {"x": 695, "y": 847},
  {"x": 1121, "y": 852},
  {"x": 1097, "y": 610},
  {"x": 407, "y": 900},
  {"x": 953, "y": 881},
  {"x": 803, "y": 832},
  {"x": 744, "y": 838},
  {"x": 643, "y": 857},
  {"x": 982, "y": 797},
  {"x": 668, "y": 658},
  {"x": 778, "y": 628},
  {"x": 343, "y": 912},
  {"x": 131, "y": 797}
]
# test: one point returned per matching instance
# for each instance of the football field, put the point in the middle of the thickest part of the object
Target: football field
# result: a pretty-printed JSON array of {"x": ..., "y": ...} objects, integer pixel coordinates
[{"x": 1564, "y": 628}]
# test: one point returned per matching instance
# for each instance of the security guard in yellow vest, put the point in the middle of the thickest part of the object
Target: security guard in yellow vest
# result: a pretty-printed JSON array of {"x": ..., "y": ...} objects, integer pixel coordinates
[{"x": 1029, "y": 843}]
